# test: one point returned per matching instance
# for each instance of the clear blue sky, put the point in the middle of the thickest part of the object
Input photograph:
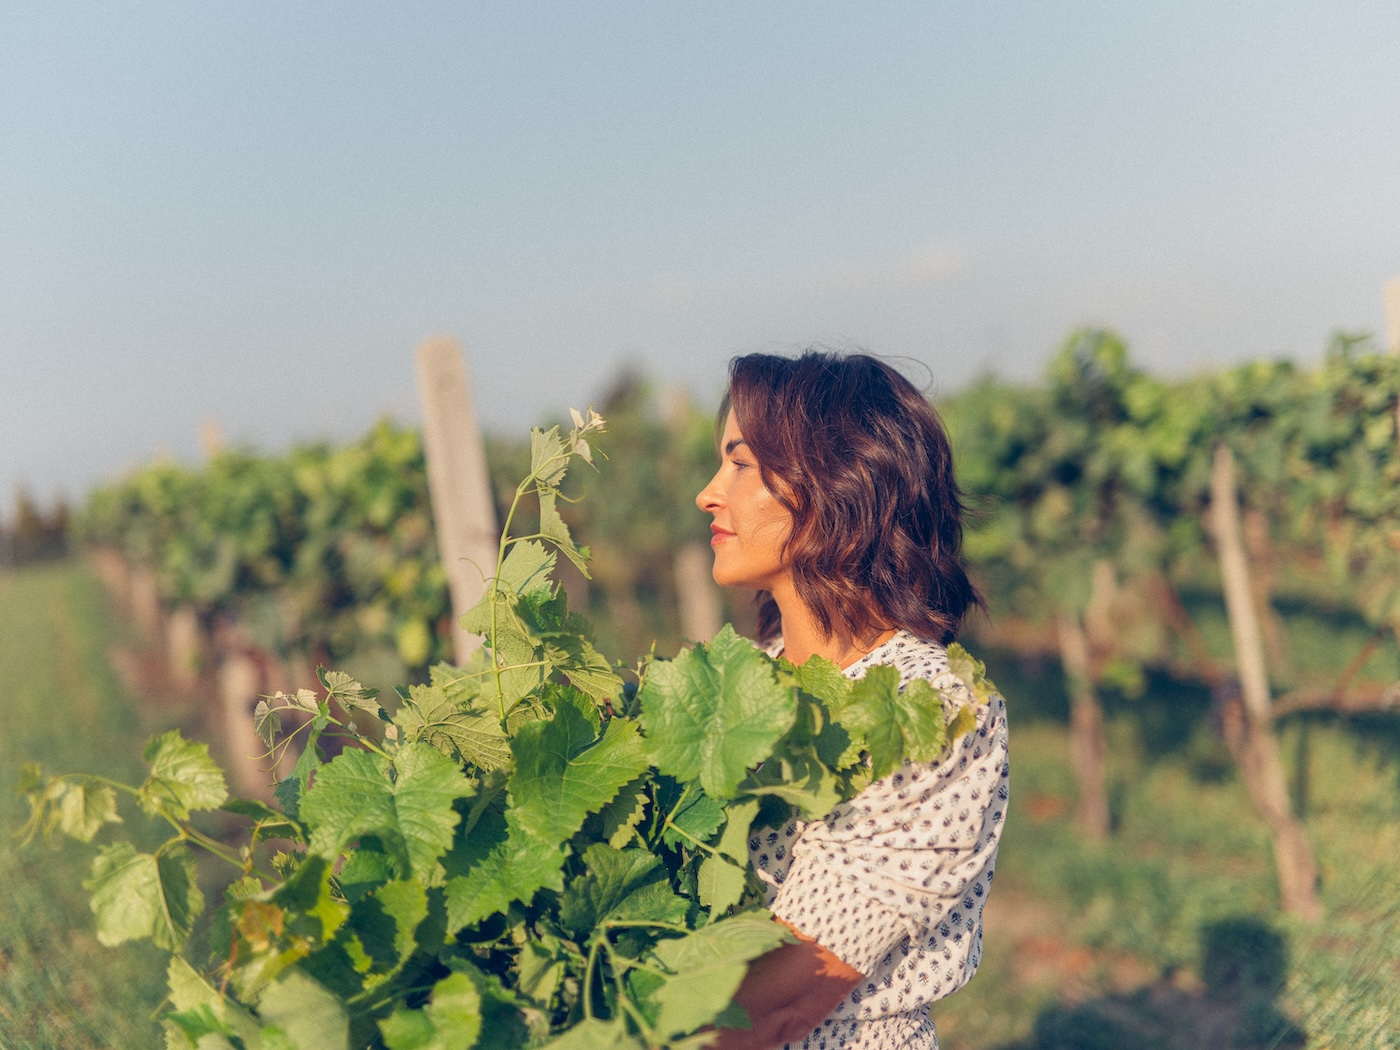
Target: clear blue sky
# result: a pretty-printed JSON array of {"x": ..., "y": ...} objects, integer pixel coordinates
[{"x": 255, "y": 211}]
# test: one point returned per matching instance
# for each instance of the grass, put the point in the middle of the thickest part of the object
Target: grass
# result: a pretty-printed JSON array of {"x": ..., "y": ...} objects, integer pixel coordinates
[
  {"x": 1152, "y": 940},
  {"x": 63, "y": 708}
]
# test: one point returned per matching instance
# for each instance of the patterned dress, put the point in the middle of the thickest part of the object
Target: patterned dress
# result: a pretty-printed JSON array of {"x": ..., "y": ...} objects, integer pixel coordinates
[{"x": 893, "y": 882}]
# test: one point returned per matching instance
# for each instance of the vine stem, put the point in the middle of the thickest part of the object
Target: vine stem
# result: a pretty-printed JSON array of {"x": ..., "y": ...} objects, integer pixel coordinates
[
  {"x": 530, "y": 480},
  {"x": 629, "y": 1007},
  {"x": 646, "y": 924},
  {"x": 286, "y": 741},
  {"x": 692, "y": 839},
  {"x": 188, "y": 833},
  {"x": 588, "y": 976}
]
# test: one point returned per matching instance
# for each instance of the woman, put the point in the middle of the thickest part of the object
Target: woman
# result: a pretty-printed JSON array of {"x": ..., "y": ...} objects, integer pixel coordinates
[{"x": 835, "y": 500}]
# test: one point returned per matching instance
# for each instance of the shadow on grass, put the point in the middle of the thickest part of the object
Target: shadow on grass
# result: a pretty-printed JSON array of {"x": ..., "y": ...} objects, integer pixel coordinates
[{"x": 1244, "y": 963}]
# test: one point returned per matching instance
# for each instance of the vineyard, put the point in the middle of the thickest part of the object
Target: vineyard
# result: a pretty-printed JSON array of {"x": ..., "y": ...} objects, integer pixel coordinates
[{"x": 531, "y": 849}]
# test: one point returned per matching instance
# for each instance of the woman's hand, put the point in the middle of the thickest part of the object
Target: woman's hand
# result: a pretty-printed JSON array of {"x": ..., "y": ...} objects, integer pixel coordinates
[{"x": 786, "y": 994}]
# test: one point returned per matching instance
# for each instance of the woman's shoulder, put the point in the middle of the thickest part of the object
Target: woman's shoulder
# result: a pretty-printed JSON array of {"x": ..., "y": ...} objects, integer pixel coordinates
[{"x": 912, "y": 656}]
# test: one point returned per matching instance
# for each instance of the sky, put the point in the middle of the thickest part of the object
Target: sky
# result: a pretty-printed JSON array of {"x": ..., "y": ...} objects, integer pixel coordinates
[{"x": 254, "y": 212}]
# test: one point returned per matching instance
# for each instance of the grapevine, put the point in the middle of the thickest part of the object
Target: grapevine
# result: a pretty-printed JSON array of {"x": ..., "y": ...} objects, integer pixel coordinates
[{"x": 535, "y": 853}]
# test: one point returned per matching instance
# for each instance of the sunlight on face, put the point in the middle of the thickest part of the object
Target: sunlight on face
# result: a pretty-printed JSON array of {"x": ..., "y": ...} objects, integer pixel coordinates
[{"x": 750, "y": 526}]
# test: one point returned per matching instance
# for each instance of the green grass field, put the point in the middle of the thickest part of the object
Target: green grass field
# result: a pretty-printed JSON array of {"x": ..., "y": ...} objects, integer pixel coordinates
[
  {"x": 1167, "y": 936},
  {"x": 64, "y": 708}
]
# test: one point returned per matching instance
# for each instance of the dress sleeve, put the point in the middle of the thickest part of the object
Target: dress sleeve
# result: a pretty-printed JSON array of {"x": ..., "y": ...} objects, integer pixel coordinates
[{"x": 910, "y": 856}]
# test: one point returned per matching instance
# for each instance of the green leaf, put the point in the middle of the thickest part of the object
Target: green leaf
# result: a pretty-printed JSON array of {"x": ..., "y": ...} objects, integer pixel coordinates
[
  {"x": 502, "y": 1027},
  {"x": 709, "y": 964},
  {"x": 541, "y": 965},
  {"x": 190, "y": 993},
  {"x": 267, "y": 723},
  {"x": 554, "y": 528},
  {"x": 197, "y": 1029},
  {"x": 512, "y": 647},
  {"x": 894, "y": 725},
  {"x": 715, "y": 712},
  {"x": 617, "y": 819},
  {"x": 288, "y": 794},
  {"x": 821, "y": 678},
  {"x": 349, "y": 693},
  {"x": 83, "y": 807},
  {"x": 385, "y": 923},
  {"x": 183, "y": 777},
  {"x": 305, "y": 1013},
  {"x": 972, "y": 672},
  {"x": 555, "y": 695},
  {"x": 800, "y": 779},
  {"x": 526, "y": 568},
  {"x": 465, "y": 733},
  {"x": 695, "y": 819},
  {"x": 407, "y": 806},
  {"x": 514, "y": 869},
  {"x": 450, "y": 1021},
  {"x": 623, "y": 884},
  {"x": 549, "y": 457},
  {"x": 722, "y": 881},
  {"x": 566, "y": 648},
  {"x": 137, "y": 895},
  {"x": 964, "y": 722},
  {"x": 562, "y": 773},
  {"x": 734, "y": 843}
]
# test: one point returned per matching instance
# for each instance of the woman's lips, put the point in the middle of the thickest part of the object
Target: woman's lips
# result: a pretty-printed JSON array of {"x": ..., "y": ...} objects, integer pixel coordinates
[{"x": 719, "y": 535}]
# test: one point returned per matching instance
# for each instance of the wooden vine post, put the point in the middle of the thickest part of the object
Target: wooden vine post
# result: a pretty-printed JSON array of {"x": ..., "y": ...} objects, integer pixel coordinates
[
  {"x": 696, "y": 593},
  {"x": 1087, "y": 744},
  {"x": 464, "y": 514},
  {"x": 1086, "y": 734},
  {"x": 1250, "y": 732}
]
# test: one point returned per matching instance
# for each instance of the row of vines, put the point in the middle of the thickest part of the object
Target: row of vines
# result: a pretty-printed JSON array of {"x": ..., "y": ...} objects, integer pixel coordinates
[
  {"x": 1090, "y": 494},
  {"x": 1105, "y": 503}
]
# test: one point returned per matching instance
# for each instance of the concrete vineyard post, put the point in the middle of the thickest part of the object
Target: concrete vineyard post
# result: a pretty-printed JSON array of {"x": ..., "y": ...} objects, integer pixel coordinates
[
  {"x": 1087, "y": 746},
  {"x": 458, "y": 483},
  {"x": 184, "y": 646},
  {"x": 1251, "y": 736},
  {"x": 700, "y": 613},
  {"x": 239, "y": 683},
  {"x": 144, "y": 596}
]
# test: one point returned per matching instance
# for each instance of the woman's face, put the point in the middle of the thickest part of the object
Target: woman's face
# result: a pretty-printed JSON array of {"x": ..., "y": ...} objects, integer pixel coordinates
[{"x": 750, "y": 526}]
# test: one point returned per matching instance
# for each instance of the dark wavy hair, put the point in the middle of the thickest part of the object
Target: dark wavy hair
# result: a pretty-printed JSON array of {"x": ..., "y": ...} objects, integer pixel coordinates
[{"x": 861, "y": 460}]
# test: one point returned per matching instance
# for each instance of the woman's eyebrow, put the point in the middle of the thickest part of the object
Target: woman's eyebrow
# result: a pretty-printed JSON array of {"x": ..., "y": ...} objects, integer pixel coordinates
[{"x": 730, "y": 446}]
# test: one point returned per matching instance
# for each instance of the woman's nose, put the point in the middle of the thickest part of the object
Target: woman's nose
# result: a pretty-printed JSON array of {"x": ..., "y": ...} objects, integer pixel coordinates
[{"x": 709, "y": 498}]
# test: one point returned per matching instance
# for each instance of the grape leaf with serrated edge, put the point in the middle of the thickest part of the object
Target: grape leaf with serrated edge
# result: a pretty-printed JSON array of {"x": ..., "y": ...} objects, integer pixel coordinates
[
  {"x": 450, "y": 1020},
  {"x": 714, "y": 712},
  {"x": 412, "y": 815},
  {"x": 708, "y": 965},
  {"x": 82, "y": 808},
  {"x": 563, "y": 771},
  {"x": 183, "y": 777},
  {"x": 892, "y": 724},
  {"x": 471, "y": 734},
  {"x": 515, "y": 869},
  {"x": 136, "y": 895}
]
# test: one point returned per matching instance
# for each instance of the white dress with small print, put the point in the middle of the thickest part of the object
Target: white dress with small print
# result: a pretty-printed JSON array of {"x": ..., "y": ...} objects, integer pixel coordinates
[{"x": 893, "y": 882}]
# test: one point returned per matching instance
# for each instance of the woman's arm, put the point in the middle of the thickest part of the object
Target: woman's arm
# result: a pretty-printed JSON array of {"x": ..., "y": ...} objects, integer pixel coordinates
[{"x": 786, "y": 994}]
